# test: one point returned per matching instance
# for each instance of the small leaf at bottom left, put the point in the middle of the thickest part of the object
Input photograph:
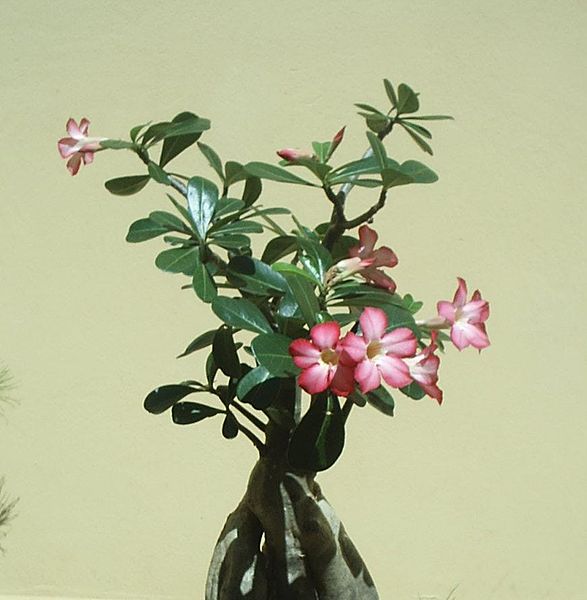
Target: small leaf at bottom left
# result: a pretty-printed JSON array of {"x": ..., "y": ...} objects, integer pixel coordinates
[
  {"x": 165, "y": 396},
  {"x": 186, "y": 413}
]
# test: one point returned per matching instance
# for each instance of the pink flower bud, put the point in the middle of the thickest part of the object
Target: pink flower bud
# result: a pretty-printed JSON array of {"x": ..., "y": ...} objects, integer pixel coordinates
[{"x": 291, "y": 154}]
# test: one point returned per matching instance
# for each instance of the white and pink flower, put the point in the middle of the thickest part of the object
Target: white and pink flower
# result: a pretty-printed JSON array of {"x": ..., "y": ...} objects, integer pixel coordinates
[
  {"x": 378, "y": 355},
  {"x": 466, "y": 319},
  {"x": 380, "y": 257},
  {"x": 78, "y": 147},
  {"x": 423, "y": 369},
  {"x": 323, "y": 363}
]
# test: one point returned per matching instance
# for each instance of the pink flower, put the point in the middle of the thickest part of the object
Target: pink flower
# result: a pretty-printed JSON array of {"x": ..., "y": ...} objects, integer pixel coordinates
[
  {"x": 322, "y": 362},
  {"x": 336, "y": 140},
  {"x": 424, "y": 370},
  {"x": 78, "y": 147},
  {"x": 346, "y": 268},
  {"x": 291, "y": 154},
  {"x": 466, "y": 319},
  {"x": 382, "y": 257},
  {"x": 378, "y": 354}
]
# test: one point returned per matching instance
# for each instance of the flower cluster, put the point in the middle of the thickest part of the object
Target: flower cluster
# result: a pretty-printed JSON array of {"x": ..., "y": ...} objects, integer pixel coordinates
[
  {"x": 329, "y": 361},
  {"x": 339, "y": 364}
]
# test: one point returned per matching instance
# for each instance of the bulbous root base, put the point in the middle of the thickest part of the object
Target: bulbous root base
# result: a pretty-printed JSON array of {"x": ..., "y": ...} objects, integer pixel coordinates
[{"x": 285, "y": 542}]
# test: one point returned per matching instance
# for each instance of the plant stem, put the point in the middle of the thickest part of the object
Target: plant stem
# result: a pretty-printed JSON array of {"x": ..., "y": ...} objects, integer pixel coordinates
[{"x": 249, "y": 415}]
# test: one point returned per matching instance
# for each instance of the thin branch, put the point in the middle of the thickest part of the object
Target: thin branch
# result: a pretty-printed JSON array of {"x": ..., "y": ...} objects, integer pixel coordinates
[
  {"x": 250, "y": 416},
  {"x": 368, "y": 214},
  {"x": 248, "y": 433}
]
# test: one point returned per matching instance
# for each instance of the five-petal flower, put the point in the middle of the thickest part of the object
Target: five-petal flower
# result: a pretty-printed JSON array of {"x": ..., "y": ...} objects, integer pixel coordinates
[
  {"x": 78, "y": 147},
  {"x": 424, "y": 370}
]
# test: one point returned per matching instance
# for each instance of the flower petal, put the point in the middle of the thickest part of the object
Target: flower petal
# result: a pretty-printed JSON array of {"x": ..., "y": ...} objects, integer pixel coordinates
[
  {"x": 461, "y": 294},
  {"x": 316, "y": 378},
  {"x": 343, "y": 382},
  {"x": 353, "y": 347},
  {"x": 465, "y": 334},
  {"x": 395, "y": 371},
  {"x": 73, "y": 164},
  {"x": 325, "y": 335},
  {"x": 304, "y": 353},
  {"x": 88, "y": 157},
  {"x": 384, "y": 257},
  {"x": 368, "y": 239},
  {"x": 367, "y": 374},
  {"x": 373, "y": 323},
  {"x": 379, "y": 278},
  {"x": 83, "y": 126},
  {"x": 66, "y": 147},
  {"x": 400, "y": 342},
  {"x": 446, "y": 310},
  {"x": 73, "y": 130}
]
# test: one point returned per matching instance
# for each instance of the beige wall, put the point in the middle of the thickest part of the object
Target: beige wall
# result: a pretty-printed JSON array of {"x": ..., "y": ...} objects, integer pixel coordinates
[{"x": 487, "y": 492}]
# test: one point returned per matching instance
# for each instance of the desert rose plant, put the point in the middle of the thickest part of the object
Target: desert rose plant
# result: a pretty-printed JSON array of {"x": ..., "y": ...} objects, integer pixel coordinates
[{"x": 317, "y": 312}]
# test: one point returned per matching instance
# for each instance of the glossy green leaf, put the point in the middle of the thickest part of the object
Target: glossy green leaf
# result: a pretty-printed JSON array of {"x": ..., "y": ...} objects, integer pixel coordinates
[
  {"x": 321, "y": 150},
  {"x": 235, "y": 172},
  {"x": 430, "y": 118},
  {"x": 394, "y": 177},
  {"x": 230, "y": 242},
  {"x": 165, "y": 396},
  {"x": 422, "y": 144},
  {"x": 377, "y": 123},
  {"x": 127, "y": 186},
  {"x": 417, "y": 128},
  {"x": 144, "y": 229},
  {"x": 279, "y": 247},
  {"x": 202, "y": 197},
  {"x": 230, "y": 427},
  {"x": 390, "y": 91},
  {"x": 236, "y": 227},
  {"x": 419, "y": 172},
  {"x": 202, "y": 282},
  {"x": 303, "y": 291},
  {"x": 183, "y": 124},
  {"x": 157, "y": 173},
  {"x": 382, "y": 400},
  {"x": 289, "y": 269},
  {"x": 260, "y": 388},
  {"x": 255, "y": 276},
  {"x": 274, "y": 173},
  {"x": 169, "y": 221},
  {"x": 212, "y": 158},
  {"x": 225, "y": 354},
  {"x": 211, "y": 367},
  {"x": 413, "y": 391},
  {"x": 241, "y": 313},
  {"x": 272, "y": 352},
  {"x": 252, "y": 191},
  {"x": 202, "y": 341},
  {"x": 315, "y": 258},
  {"x": 407, "y": 100},
  {"x": 318, "y": 439},
  {"x": 178, "y": 260},
  {"x": 378, "y": 149},
  {"x": 134, "y": 132},
  {"x": 370, "y": 109},
  {"x": 186, "y": 413},
  {"x": 227, "y": 206}
]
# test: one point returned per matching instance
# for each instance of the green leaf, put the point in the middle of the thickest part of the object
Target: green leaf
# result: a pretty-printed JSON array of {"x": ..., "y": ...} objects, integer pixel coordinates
[
  {"x": 183, "y": 124},
  {"x": 169, "y": 221},
  {"x": 321, "y": 150},
  {"x": 127, "y": 186},
  {"x": 289, "y": 269},
  {"x": 231, "y": 242},
  {"x": 117, "y": 145},
  {"x": 260, "y": 388},
  {"x": 417, "y": 128},
  {"x": 400, "y": 317},
  {"x": 165, "y": 396},
  {"x": 431, "y": 118},
  {"x": 236, "y": 227},
  {"x": 202, "y": 282},
  {"x": 394, "y": 177},
  {"x": 318, "y": 440},
  {"x": 356, "y": 168},
  {"x": 134, "y": 132},
  {"x": 303, "y": 292},
  {"x": 407, "y": 100},
  {"x": 158, "y": 174},
  {"x": 211, "y": 367},
  {"x": 255, "y": 276},
  {"x": 390, "y": 92},
  {"x": 272, "y": 352},
  {"x": 378, "y": 149},
  {"x": 202, "y": 197},
  {"x": 422, "y": 144},
  {"x": 144, "y": 229},
  {"x": 224, "y": 352},
  {"x": 279, "y": 247},
  {"x": 186, "y": 413},
  {"x": 419, "y": 172},
  {"x": 230, "y": 426},
  {"x": 202, "y": 341},
  {"x": 235, "y": 172},
  {"x": 382, "y": 400},
  {"x": 227, "y": 206},
  {"x": 178, "y": 260},
  {"x": 370, "y": 109},
  {"x": 413, "y": 391},
  {"x": 241, "y": 313},
  {"x": 315, "y": 258},
  {"x": 212, "y": 158},
  {"x": 377, "y": 123},
  {"x": 274, "y": 173},
  {"x": 252, "y": 191}
]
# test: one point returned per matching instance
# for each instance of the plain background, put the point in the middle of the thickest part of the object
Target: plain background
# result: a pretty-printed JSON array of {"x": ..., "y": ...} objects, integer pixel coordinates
[{"x": 486, "y": 493}]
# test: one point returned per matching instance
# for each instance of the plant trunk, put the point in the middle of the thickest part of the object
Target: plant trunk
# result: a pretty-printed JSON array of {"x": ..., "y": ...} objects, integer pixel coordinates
[{"x": 284, "y": 540}]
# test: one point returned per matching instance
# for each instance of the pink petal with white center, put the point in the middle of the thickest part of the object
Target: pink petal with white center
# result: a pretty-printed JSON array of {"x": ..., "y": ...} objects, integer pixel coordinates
[
  {"x": 343, "y": 382},
  {"x": 73, "y": 164},
  {"x": 367, "y": 374},
  {"x": 446, "y": 310},
  {"x": 88, "y": 157},
  {"x": 379, "y": 278},
  {"x": 83, "y": 126},
  {"x": 304, "y": 353},
  {"x": 384, "y": 257},
  {"x": 325, "y": 335},
  {"x": 395, "y": 371},
  {"x": 433, "y": 391},
  {"x": 316, "y": 378},
  {"x": 475, "y": 311},
  {"x": 73, "y": 130},
  {"x": 354, "y": 347},
  {"x": 467, "y": 334},
  {"x": 400, "y": 342},
  {"x": 460, "y": 296},
  {"x": 373, "y": 322},
  {"x": 66, "y": 147}
]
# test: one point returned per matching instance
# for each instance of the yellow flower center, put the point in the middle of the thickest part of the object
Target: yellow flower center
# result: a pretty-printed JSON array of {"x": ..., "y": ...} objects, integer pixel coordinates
[
  {"x": 374, "y": 349},
  {"x": 329, "y": 356}
]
